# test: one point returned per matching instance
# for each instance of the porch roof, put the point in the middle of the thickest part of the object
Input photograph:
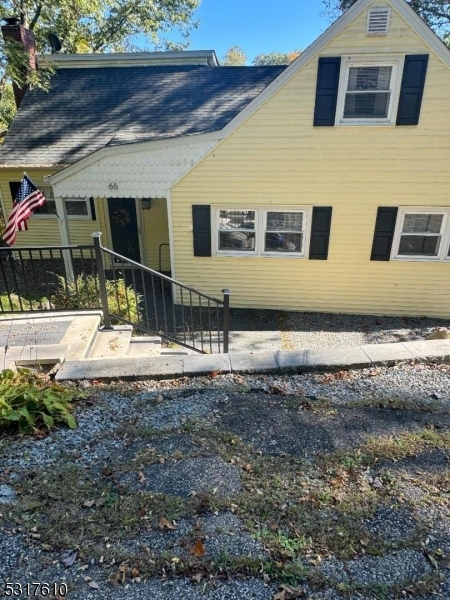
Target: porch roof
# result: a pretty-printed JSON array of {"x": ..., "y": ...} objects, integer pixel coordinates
[{"x": 87, "y": 109}]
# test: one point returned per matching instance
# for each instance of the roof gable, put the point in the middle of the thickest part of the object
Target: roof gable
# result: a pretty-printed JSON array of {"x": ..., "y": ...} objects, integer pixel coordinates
[{"x": 401, "y": 6}]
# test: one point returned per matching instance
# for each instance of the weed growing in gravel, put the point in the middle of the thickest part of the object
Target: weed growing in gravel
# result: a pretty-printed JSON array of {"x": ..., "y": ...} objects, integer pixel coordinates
[{"x": 29, "y": 402}]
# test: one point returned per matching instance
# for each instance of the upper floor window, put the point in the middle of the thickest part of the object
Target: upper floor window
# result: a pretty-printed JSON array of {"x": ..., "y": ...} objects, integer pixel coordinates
[{"x": 369, "y": 92}]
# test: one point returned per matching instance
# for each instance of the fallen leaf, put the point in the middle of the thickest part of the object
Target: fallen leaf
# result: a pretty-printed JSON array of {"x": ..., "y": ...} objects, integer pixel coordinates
[
  {"x": 141, "y": 477},
  {"x": 214, "y": 374},
  {"x": 69, "y": 558},
  {"x": 165, "y": 524},
  {"x": 135, "y": 572},
  {"x": 198, "y": 549},
  {"x": 288, "y": 592},
  {"x": 46, "y": 547},
  {"x": 432, "y": 560},
  {"x": 247, "y": 467},
  {"x": 197, "y": 578},
  {"x": 89, "y": 503}
]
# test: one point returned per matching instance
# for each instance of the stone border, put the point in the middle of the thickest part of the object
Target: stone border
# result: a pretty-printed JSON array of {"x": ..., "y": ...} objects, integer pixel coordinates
[{"x": 302, "y": 361}]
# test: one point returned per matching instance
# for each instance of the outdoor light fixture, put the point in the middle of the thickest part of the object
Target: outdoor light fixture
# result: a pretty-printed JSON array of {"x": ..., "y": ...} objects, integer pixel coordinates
[{"x": 146, "y": 203}]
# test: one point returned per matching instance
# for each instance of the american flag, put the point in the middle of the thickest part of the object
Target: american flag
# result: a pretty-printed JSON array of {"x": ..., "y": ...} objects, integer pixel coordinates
[{"x": 28, "y": 198}]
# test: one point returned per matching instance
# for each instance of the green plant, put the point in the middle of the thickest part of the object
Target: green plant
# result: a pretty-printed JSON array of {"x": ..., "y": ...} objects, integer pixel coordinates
[
  {"x": 13, "y": 302},
  {"x": 83, "y": 292},
  {"x": 28, "y": 401}
]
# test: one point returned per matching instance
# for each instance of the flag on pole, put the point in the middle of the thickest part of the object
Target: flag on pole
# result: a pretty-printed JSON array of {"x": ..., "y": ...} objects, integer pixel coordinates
[{"x": 28, "y": 198}]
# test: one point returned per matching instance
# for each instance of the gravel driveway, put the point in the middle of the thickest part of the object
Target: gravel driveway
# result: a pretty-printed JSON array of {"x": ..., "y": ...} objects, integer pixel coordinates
[{"x": 334, "y": 486}]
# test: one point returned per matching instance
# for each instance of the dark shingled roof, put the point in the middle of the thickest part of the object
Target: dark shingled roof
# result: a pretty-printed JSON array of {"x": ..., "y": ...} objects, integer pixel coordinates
[{"x": 87, "y": 109}]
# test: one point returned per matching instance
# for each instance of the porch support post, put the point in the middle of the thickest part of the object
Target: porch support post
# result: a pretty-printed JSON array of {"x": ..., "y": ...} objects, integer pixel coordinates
[{"x": 65, "y": 236}]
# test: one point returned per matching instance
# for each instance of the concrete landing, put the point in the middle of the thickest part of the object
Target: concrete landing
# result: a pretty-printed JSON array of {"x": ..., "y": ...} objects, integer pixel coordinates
[
  {"x": 304, "y": 361},
  {"x": 112, "y": 344}
]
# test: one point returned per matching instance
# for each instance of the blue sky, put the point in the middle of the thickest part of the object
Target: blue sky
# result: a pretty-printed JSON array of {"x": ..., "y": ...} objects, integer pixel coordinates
[{"x": 258, "y": 26}]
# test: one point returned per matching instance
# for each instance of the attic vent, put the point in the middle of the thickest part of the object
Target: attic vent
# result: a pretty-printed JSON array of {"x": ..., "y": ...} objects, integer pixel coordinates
[{"x": 378, "y": 21}]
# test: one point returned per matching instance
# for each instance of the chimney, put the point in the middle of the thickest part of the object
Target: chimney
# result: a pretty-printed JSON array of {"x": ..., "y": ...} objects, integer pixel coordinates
[{"x": 14, "y": 31}]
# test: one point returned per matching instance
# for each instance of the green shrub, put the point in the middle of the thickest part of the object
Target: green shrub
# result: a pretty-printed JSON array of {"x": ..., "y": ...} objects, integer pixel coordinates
[
  {"x": 31, "y": 403},
  {"x": 12, "y": 302},
  {"x": 84, "y": 293}
]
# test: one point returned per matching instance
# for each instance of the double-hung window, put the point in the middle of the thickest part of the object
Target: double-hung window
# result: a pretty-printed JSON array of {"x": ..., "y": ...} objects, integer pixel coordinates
[
  {"x": 262, "y": 231},
  {"x": 368, "y": 92},
  {"x": 422, "y": 234}
]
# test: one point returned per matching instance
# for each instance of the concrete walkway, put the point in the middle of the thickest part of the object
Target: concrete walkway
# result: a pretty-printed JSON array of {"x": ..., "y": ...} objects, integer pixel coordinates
[{"x": 303, "y": 361}]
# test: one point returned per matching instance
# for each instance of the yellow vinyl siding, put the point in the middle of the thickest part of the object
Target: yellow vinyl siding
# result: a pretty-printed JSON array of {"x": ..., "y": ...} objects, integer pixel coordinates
[
  {"x": 277, "y": 158},
  {"x": 156, "y": 232}
]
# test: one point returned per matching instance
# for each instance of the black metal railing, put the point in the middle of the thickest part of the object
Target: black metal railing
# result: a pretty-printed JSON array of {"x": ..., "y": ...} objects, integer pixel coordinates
[
  {"x": 63, "y": 278},
  {"x": 158, "y": 304},
  {"x": 36, "y": 279}
]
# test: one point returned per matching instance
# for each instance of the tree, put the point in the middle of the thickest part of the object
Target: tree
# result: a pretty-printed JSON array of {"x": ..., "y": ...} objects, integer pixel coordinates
[
  {"x": 276, "y": 58},
  {"x": 436, "y": 13},
  {"x": 235, "y": 57},
  {"x": 102, "y": 25}
]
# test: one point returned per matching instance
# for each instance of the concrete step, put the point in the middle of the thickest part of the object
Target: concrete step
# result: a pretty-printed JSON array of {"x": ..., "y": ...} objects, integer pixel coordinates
[
  {"x": 174, "y": 353},
  {"x": 142, "y": 346},
  {"x": 34, "y": 356},
  {"x": 81, "y": 334},
  {"x": 112, "y": 344}
]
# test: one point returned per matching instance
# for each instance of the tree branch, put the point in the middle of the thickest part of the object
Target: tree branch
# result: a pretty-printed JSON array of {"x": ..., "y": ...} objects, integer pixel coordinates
[{"x": 37, "y": 14}]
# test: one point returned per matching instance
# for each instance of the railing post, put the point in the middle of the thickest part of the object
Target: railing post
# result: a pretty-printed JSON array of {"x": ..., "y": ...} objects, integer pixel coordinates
[
  {"x": 101, "y": 279},
  {"x": 226, "y": 320}
]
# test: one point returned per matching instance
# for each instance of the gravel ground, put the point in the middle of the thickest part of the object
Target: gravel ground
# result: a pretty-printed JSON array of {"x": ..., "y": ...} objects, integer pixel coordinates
[
  {"x": 238, "y": 461},
  {"x": 324, "y": 330}
]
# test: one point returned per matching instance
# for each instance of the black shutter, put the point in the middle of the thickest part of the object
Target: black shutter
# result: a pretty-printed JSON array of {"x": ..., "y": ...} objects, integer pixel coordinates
[
  {"x": 384, "y": 232},
  {"x": 201, "y": 220},
  {"x": 320, "y": 232},
  {"x": 411, "y": 92},
  {"x": 327, "y": 91},
  {"x": 93, "y": 213},
  {"x": 14, "y": 188}
]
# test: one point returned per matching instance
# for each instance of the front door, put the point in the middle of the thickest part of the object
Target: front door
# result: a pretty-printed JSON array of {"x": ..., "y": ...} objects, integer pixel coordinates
[{"x": 124, "y": 227}]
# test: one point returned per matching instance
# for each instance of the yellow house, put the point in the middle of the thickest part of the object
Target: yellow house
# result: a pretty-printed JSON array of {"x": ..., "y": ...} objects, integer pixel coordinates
[{"x": 323, "y": 186}]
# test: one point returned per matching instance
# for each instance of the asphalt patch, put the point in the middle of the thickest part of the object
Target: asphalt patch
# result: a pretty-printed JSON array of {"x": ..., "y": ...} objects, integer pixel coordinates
[{"x": 270, "y": 425}]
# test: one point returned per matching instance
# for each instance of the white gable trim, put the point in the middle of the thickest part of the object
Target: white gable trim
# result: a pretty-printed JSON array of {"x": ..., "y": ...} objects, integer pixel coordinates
[
  {"x": 401, "y": 6},
  {"x": 201, "y": 138},
  {"x": 147, "y": 172}
]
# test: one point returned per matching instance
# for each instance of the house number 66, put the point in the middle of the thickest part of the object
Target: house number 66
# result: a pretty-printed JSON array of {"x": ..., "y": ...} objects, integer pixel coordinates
[{"x": 113, "y": 186}]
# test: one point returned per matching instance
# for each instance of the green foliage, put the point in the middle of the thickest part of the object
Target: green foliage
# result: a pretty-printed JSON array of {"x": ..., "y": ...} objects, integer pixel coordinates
[
  {"x": 83, "y": 292},
  {"x": 276, "y": 58},
  {"x": 30, "y": 403},
  {"x": 435, "y": 13},
  {"x": 7, "y": 114},
  {"x": 14, "y": 302},
  {"x": 235, "y": 57},
  {"x": 102, "y": 25}
]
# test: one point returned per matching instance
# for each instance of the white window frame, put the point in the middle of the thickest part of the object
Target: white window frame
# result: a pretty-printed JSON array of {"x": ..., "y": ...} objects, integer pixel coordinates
[
  {"x": 394, "y": 61},
  {"x": 87, "y": 217},
  {"x": 260, "y": 230},
  {"x": 445, "y": 235}
]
